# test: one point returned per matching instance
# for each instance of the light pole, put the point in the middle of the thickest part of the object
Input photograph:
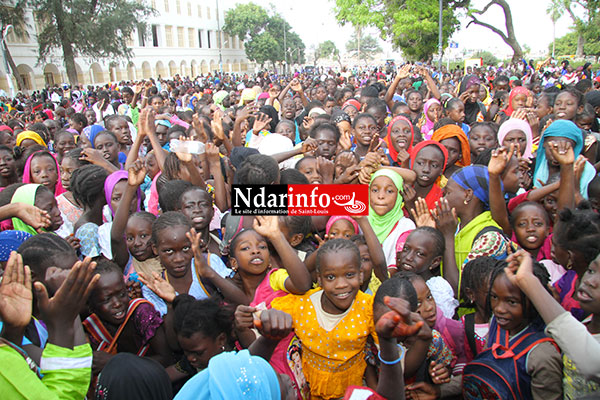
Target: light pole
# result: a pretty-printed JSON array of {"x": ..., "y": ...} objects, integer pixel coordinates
[
  {"x": 440, "y": 39},
  {"x": 6, "y": 67},
  {"x": 284, "y": 45},
  {"x": 220, "y": 39}
]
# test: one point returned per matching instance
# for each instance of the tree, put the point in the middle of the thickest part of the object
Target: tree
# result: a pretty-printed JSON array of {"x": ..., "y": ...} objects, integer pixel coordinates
[
  {"x": 13, "y": 14},
  {"x": 411, "y": 25},
  {"x": 266, "y": 38},
  {"x": 327, "y": 49},
  {"x": 555, "y": 10},
  {"x": 585, "y": 24},
  {"x": 368, "y": 47},
  {"x": 82, "y": 28},
  {"x": 509, "y": 37},
  {"x": 487, "y": 57},
  {"x": 567, "y": 44}
]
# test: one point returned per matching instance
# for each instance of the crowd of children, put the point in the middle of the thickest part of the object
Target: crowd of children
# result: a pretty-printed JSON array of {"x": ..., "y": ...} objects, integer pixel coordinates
[{"x": 475, "y": 274}]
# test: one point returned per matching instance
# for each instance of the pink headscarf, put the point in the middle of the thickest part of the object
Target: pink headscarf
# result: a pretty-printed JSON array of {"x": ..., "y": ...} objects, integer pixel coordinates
[
  {"x": 333, "y": 219},
  {"x": 428, "y": 126},
  {"x": 58, "y": 188},
  {"x": 519, "y": 125}
]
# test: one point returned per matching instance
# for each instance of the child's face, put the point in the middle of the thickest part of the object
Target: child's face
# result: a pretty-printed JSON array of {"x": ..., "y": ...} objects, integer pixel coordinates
[
  {"x": 152, "y": 166},
  {"x": 43, "y": 171},
  {"x": 457, "y": 113},
  {"x": 45, "y": 201},
  {"x": 585, "y": 122},
  {"x": 110, "y": 300},
  {"x": 505, "y": 299},
  {"x": 428, "y": 165},
  {"x": 174, "y": 250},
  {"x": 418, "y": 254},
  {"x": 550, "y": 203},
  {"x": 138, "y": 235},
  {"x": 565, "y": 106},
  {"x": 287, "y": 130},
  {"x": 344, "y": 127},
  {"x": 340, "y": 277},
  {"x": 8, "y": 167},
  {"x": 197, "y": 206},
  {"x": 434, "y": 112},
  {"x": 516, "y": 137},
  {"x": 67, "y": 166},
  {"x": 366, "y": 264},
  {"x": 454, "y": 194},
  {"x": 531, "y": 228},
  {"x": 252, "y": 255},
  {"x": 108, "y": 147},
  {"x": 512, "y": 176},
  {"x": 379, "y": 117},
  {"x": 454, "y": 152},
  {"x": 401, "y": 135},
  {"x": 382, "y": 195},
  {"x": 310, "y": 169},
  {"x": 161, "y": 134},
  {"x": 341, "y": 229},
  {"x": 588, "y": 293},
  {"x": 481, "y": 138},
  {"x": 65, "y": 143},
  {"x": 415, "y": 102},
  {"x": 157, "y": 103},
  {"x": 364, "y": 131},
  {"x": 91, "y": 117},
  {"x": 327, "y": 144},
  {"x": 542, "y": 108},
  {"x": 519, "y": 101},
  {"x": 426, "y": 306},
  {"x": 120, "y": 128},
  {"x": 199, "y": 348},
  {"x": 403, "y": 109},
  {"x": 117, "y": 195}
]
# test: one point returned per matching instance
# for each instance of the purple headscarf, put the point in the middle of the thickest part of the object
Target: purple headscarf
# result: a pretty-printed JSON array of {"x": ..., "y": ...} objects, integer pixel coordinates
[{"x": 109, "y": 186}]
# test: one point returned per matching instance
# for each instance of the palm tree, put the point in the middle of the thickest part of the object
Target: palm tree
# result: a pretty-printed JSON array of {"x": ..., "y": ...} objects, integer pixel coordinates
[{"x": 555, "y": 10}]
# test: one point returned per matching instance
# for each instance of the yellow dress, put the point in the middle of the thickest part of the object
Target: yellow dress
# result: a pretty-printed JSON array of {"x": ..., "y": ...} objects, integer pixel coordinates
[{"x": 331, "y": 360}]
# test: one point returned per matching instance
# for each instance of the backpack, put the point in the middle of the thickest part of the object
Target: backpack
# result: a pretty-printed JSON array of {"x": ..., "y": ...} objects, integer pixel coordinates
[{"x": 500, "y": 372}]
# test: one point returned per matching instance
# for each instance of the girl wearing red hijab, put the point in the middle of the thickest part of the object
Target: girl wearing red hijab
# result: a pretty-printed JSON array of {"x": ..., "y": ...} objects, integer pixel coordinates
[
  {"x": 428, "y": 160},
  {"x": 399, "y": 140},
  {"x": 516, "y": 99}
]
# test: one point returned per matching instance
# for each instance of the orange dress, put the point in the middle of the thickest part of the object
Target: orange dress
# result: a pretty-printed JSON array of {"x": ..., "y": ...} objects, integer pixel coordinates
[{"x": 331, "y": 360}]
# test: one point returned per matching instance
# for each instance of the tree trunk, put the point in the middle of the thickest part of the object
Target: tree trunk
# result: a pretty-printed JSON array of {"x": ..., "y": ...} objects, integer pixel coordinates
[
  {"x": 70, "y": 64},
  {"x": 13, "y": 67},
  {"x": 358, "y": 44},
  {"x": 580, "y": 43},
  {"x": 65, "y": 42}
]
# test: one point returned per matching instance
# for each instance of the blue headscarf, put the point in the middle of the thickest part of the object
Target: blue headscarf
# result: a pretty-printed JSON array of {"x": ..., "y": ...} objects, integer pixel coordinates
[
  {"x": 566, "y": 129},
  {"x": 476, "y": 178},
  {"x": 92, "y": 131},
  {"x": 233, "y": 376},
  {"x": 10, "y": 241}
]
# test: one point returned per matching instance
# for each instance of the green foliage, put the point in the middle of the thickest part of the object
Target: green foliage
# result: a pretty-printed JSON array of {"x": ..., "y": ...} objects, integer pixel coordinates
[
  {"x": 263, "y": 35},
  {"x": 567, "y": 44},
  {"x": 368, "y": 47},
  {"x": 488, "y": 57},
  {"x": 411, "y": 25},
  {"x": 13, "y": 13},
  {"x": 95, "y": 29},
  {"x": 325, "y": 50}
]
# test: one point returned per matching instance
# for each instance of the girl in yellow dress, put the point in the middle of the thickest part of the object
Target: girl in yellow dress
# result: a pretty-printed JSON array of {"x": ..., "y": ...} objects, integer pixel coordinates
[{"x": 332, "y": 322}]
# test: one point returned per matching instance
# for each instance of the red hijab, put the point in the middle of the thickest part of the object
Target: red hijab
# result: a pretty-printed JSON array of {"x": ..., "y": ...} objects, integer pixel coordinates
[
  {"x": 513, "y": 93},
  {"x": 388, "y": 140}
]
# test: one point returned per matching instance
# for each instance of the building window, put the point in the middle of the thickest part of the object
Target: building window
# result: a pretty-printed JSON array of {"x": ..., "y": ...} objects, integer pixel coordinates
[
  {"x": 49, "y": 78},
  {"x": 166, "y": 5},
  {"x": 207, "y": 12},
  {"x": 155, "y": 35},
  {"x": 154, "y": 4},
  {"x": 178, "y": 6},
  {"x": 199, "y": 11},
  {"x": 199, "y": 38},
  {"x": 169, "y": 35},
  {"x": 189, "y": 9},
  {"x": 191, "y": 37},
  {"x": 180, "y": 37},
  {"x": 227, "y": 41},
  {"x": 141, "y": 37},
  {"x": 208, "y": 38}
]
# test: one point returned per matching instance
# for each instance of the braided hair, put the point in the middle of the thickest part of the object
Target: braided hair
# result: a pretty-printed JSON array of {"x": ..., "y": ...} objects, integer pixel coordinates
[
  {"x": 476, "y": 275},
  {"x": 578, "y": 230},
  {"x": 397, "y": 286},
  {"x": 208, "y": 317},
  {"x": 87, "y": 184},
  {"x": 43, "y": 251},
  {"x": 335, "y": 246},
  {"x": 167, "y": 220},
  {"x": 257, "y": 169}
]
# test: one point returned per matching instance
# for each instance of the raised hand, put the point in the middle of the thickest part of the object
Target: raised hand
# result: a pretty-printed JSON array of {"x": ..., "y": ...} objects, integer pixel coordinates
[
  {"x": 307, "y": 123},
  {"x": 397, "y": 322},
  {"x": 326, "y": 169},
  {"x": 309, "y": 146},
  {"x": 212, "y": 152},
  {"x": 199, "y": 128},
  {"x": 404, "y": 71},
  {"x": 403, "y": 156},
  {"x": 184, "y": 157},
  {"x": 439, "y": 373},
  {"x": 445, "y": 217},
  {"x": 296, "y": 86},
  {"x": 274, "y": 324},
  {"x": 499, "y": 159},
  {"x": 136, "y": 174},
  {"x": 15, "y": 293},
  {"x": 421, "y": 214},
  {"x": 35, "y": 217},
  {"x": 244, "y": 317},
  {"x": 345, "y": 141},
  {"x": 562, "y": 152},
  {"x": 217, "y": 124},
  {"x": 93, "y": 156},
  {"x": 158, "y": 285},
  {"x": 578, "y": 168},
  {"x": 521, "y": 113},
  {"x": 266, "y": 225},
  {"x": 199, "y": 247},
  {"x": 409, "y": 194},
  {"x": 349, "y": 175},
  {"x": 520, "y": 266},
  {"x": 260, "y": 123}
]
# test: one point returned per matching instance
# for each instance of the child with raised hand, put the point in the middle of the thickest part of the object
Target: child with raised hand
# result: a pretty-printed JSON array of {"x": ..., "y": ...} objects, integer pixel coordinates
[
  {"x": 579, "y": 342},
  {"x": 332, "y": 322},
  {"x": 526, "y": 363},
  {"x": 118, "y": 324},
  {"x": 66, "y": 360},
  {"x": 186, "y": 270}
]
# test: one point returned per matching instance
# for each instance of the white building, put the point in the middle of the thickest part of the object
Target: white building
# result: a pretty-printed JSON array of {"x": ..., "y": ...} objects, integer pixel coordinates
[{"x": 183, "y": 38}]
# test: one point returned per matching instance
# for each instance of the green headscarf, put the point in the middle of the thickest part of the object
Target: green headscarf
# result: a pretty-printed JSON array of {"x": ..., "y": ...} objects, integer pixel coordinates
[
  {"x": 383, "y": 224},
  {"x": 219, "y": 97},
  {"x": 24, "y": 194}
]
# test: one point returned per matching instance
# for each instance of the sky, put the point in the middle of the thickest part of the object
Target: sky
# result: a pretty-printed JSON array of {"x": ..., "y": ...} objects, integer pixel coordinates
[{"x": 315, "y": 22}]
